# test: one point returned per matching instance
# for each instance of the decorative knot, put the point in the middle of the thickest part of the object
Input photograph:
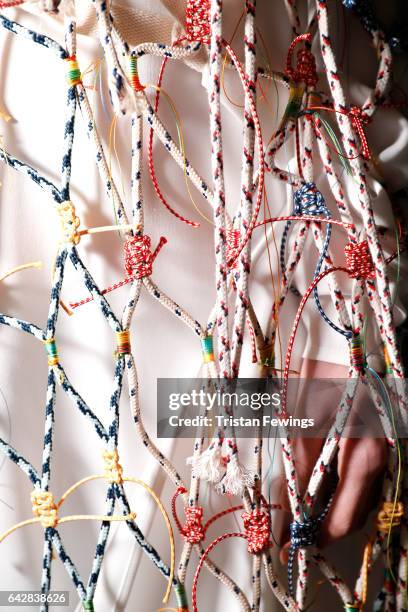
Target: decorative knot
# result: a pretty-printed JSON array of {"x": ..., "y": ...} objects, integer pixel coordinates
[
  {"x": 134, "y": 74},
  {"x": 193, "y": 531},
  {"x": 303, "y": 534},
  {"x": 208, "y": 348},
  {"x": 389, "y": 516},
  {"x": 44, "y": 507},
  {"x": 138, "y": 256},
  {"x": 123, "y": 343},
  {"x": 358, "y": 118},
  {"x": 356, "y": 353},
  {"x": 308, "y": 200},
  {"x": 257, "y": 530},
  {"x": 349, "y": 4},
  {"x": 69, "y": 222},
  {"x": 52, "y": 352},
  {"x": 358, "y": 260},
  {"x": 113, "y": 469},
  {"x": 305, "y": 71},
  {"x": 198, "y": 27},
  {"x": 73, "y": 71}
]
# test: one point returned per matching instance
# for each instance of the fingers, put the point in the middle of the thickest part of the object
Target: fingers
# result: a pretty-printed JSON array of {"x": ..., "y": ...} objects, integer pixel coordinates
[{"x": 360, "y": 463}]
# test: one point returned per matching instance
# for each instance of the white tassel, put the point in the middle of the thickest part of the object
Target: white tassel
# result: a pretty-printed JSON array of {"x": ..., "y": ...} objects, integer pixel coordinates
[
  {"x": 208, "y": 466},
  {"x": 236, "y": 479}
]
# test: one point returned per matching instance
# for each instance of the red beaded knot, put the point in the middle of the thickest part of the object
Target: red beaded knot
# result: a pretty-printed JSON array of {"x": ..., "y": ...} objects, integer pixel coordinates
[
  {"x": 358, "y": 260},
  {"x": 193, "y": 531},
  {"x": 198, "y": 26},
  {"x": 358, "y": 118},
  {"x": 305, "y": 71},
  {"x": 257, "y": 529},
  {"x": 138, "y": 256}
]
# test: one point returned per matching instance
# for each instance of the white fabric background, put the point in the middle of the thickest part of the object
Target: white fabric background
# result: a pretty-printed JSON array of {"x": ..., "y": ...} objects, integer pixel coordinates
[{"x": 32, "y": 91}]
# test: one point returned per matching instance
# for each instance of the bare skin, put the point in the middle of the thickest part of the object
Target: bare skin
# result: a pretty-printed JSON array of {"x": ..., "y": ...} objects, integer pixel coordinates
[{"x": 360, "y": 463}]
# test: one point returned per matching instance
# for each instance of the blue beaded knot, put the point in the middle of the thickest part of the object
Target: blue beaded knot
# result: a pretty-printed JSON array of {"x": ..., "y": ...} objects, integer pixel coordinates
[
  {"x": 302, "y": 535},
  {"x": 308, "y": 200},
  {"x": 349, "y": 4}
]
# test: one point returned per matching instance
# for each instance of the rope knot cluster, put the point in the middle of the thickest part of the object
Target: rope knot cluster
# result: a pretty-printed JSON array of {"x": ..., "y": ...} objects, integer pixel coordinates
[
  {"x": 303, "y": 534},
  {"x": 44, "y": 507},
  {"x": 139, "y": 257},
  {"x": 257, "y": 529},
  {"x": 198, "y": 27},
  {"x": 69, "y": 222},
  {"x": 305, "y": 71},
  {"x": 113, "y": 469},
  {"x": 193, "y": 530},
  {"x": 308, "y": 200},
  {"x": 358, "y": 260},
  {"x": 390, "y": 516}
]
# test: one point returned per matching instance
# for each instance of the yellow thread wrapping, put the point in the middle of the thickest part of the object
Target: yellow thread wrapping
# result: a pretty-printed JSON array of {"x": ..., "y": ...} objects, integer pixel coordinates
[
  {"x": 390, "y": 516},
  {"x": 73, "y": 72},
  {"x": 113, "y": 469},
  {"x": 387, "y": 360},
  {"x": 69, "y": 222},
  {"x": 123, "y": 342},
  {"x": 44, "y": 508}
]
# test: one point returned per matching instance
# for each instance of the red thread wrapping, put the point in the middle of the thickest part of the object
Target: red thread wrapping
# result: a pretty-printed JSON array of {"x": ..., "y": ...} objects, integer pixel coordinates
[
  {"x": 138, "y": 256},
  {"x": 358, "y": 260},
  {"x": 305, "y": 71},
  {"x": 257, "y": 528},
  {"x": 233, "y": 238},
  {"x": 198, "y": 26},
  {"x": 358, "y": 117}
]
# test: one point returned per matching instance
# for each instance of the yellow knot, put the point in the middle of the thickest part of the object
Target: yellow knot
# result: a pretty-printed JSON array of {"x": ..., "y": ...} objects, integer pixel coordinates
[
  {"x": 69, "y": 222},
  {"x": 113, "y": 469},
  {"x": 44, "y": 507},
  {"x": 390, "y": 516}
]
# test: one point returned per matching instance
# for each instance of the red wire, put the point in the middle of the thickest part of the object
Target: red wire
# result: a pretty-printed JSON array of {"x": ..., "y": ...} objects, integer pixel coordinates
[
  {"x": 356, "y": 117},
  {"x": 305, "y": 218},
  {"x": 207, "y": 551},
  {"x": 11, "y": 3},
  {"x": 258, "y": 130},
  {"x": 295, "y": 328},
  {"x": 150, "y": 152}
]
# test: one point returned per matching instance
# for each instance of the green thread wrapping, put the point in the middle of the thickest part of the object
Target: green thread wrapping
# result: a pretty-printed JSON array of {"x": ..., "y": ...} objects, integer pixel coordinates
[
  {"x": 51, "y": 348},
  {"x": 132, "y": 65},
  {"x": 208, "y": 346},
  {"x": 88, "y": 605},
  {"x": 182, "y": 601},
  {"x": 352, "y": 607}
]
